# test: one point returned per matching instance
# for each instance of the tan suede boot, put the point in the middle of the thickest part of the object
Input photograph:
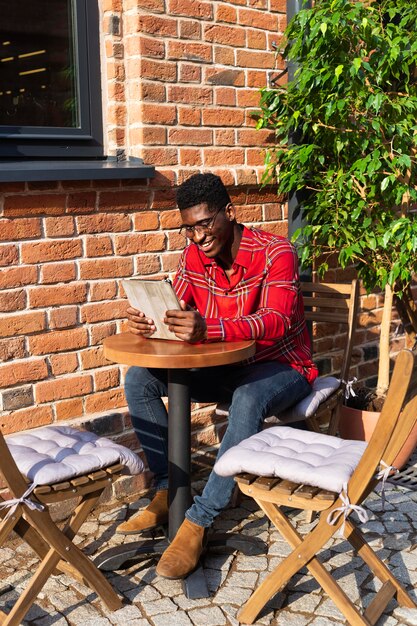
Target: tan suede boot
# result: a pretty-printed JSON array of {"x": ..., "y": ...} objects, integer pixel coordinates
[
  {"x": 182, "y": 556},
  {"x": 155, "y": 514}
]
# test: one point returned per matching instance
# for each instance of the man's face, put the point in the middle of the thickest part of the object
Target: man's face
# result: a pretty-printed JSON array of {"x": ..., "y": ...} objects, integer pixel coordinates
[{"x": 211, "y": 230}]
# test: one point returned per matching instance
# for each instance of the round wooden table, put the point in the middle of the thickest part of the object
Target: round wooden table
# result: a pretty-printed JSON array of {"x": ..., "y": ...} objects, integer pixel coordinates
[{"x": 178, "y": 358}]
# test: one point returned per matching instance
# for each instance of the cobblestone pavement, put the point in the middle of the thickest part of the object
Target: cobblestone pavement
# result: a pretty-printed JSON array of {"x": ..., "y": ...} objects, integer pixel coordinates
[{"x": 153, "y": 601}]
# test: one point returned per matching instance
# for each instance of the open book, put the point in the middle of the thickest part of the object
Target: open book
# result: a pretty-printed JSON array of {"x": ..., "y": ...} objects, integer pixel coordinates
[{"x": 154, "y": 298}]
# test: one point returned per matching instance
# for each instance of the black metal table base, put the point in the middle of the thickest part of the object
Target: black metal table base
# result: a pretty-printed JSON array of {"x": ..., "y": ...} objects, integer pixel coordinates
[{"x": 194, "y": 585}]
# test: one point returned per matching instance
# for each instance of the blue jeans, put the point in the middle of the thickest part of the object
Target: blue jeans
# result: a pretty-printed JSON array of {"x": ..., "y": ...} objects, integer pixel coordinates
[{"x": 254, "y": 390}]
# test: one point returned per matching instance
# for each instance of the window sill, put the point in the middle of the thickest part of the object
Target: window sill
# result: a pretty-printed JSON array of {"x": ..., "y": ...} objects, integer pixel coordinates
[{"x": 83, "y": 169}]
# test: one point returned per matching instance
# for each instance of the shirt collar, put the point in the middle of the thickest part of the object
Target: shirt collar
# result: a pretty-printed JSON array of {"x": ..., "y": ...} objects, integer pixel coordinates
[{"x": 244, "y": 254}]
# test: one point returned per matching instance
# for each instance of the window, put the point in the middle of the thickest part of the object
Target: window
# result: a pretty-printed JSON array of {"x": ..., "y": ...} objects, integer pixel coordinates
[{"x": 50, "y": 94}]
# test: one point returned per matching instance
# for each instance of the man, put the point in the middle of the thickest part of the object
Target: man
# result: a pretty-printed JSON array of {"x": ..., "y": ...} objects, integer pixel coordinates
[{"x": 233, "y": 283}]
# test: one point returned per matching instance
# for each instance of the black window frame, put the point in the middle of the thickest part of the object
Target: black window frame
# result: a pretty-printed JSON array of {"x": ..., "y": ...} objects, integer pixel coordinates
[{"x": 86, "y": 141}]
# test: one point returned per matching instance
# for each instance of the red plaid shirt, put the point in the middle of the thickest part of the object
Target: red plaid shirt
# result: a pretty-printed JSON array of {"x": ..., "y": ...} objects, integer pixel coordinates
[{"x": 262, "y": 301}]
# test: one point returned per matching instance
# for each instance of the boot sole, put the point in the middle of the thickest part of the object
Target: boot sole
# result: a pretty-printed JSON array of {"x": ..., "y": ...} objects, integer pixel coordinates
[{"x": 142, "y": 530}]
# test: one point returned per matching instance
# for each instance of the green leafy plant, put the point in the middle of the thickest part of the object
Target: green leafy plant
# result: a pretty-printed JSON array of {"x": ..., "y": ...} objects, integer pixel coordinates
[{"x": 352, "y": 106}]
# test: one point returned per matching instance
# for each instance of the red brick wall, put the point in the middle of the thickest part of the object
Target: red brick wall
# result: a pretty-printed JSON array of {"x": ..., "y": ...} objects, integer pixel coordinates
[{"x": 180, "y": 79}]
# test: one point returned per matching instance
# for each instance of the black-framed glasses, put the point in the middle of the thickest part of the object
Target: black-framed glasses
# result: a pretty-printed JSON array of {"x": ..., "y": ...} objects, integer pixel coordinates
[{"x": 202, "y": 228}]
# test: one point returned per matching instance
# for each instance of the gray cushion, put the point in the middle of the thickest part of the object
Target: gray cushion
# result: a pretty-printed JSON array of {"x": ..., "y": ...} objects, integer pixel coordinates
[
  {"x": 298, "y": 455},
  {"x": 57, "y": 453}
]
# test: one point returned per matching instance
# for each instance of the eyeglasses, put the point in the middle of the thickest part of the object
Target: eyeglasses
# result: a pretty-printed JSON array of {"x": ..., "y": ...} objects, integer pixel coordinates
[{"x": 202, "y": 228}]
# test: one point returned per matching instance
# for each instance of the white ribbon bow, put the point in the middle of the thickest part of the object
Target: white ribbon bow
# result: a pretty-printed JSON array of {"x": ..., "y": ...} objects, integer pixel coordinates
[
  {"x": 14, "y": 502},
  {"x": 383, "y": 475},
  {"x": 349, "y": 392},
  {"x": 346, "y": 508}
]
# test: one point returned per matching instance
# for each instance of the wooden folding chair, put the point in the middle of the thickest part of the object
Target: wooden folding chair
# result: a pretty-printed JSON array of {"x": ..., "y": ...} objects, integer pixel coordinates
[
  {"x": 25, "y": 508},
  {"x": 333, "y": 308},
  {"x": 273, "y": 492}
]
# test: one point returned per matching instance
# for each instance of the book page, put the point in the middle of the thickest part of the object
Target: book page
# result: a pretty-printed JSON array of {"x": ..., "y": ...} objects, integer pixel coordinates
[{"x": 154, "y": 298}]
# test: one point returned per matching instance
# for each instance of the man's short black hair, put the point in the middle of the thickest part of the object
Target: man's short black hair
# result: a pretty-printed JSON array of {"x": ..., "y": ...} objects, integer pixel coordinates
[{"x": 200, "y": 188}]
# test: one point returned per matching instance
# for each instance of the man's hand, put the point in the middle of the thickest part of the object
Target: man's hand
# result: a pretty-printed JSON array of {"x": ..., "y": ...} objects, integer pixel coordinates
[
  {"x": 139, "y": 324},
  {"x": 187, "y": 324}
]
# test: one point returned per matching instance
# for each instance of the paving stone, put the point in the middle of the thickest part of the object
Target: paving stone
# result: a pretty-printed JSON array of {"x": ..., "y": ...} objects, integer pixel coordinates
[
  {"x": 127, "y": 615},
  {"x": 406, "y": 616},
  {"x": 165, "y": 605},
  {"x": 251, "y": 563},
  {"x": 52, "y": 619},
  {"x": 285, "y": 618},
  {"x": 232, "y": 595},
  {"x": 209, "y": 616},
  {"x": 179, "y": 618}
]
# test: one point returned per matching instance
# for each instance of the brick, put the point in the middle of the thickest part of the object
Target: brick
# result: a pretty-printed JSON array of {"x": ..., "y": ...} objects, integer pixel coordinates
[
  {"x": 191, "y": 8},
  {"x": 189, "y": 51},
  {"x": 18, "y": 277},
  {"x": 190, "y": 157},
  {"x": 105, "y": 400},
  {"x": 82, "y": 202},
  {"x": 196, "y": 137},
  {"x": 256, "y": 40},
  {"x": 146, "y": 220},
  {"x": 189, "y": 73},
  {"x": 225, "y": 96},
  {"x": 189, "y": 116},
  {"x": 165, "y": 71},
  {"x": 63, "y": 317},
  {"x": 162, "y": 114},
  {"x": 68, "y": 409},
  {"x": 223, "y": 117},
  {"x": 190, "y": 95},
  {"x": 146, "y": 47},
  {"x": 59, "y": 226},
  {"x": 256, "y": 78},
  {"x": 164, "y": 199},
  {"x": 148, "y": 135},
  {"x": 226, "y": 35},
  {"x": 190, "y": 29},
  {"x": 103, "y": 223},
  {"x": 249, "y": 214},
  {"x": 224, "y": 55},
  {"x": 21, "y": 324},
  {"x": 14, "y": 300},
  {"x": 103, "y": 290},
  {"x": 105, "y": 268},
  {"x": 100, "y": 312},
  {"x": 246, "y": 137},
  {"x": 150, "y": 92},
  {"x": 225, "y": 13},
  {"x": 155, "y": 25},
  {"x": 66, "y": 387},
  {"x": 175, "y": 241},
  {"x": 25, "y": 419},
  {"x": 58, "y": 273},
  {"x": 148, "y": 264},
  {"x": 170, "y": 219},
  {"x": 93, "y": 357},
  {"x": 160, "y": 156},
  {"x": 98, "y": 332},
  {"x": 170, "y": 262},
  {"x": 132, "y": 244},
  {"x": 248, "y": 98},
  {"x": 258, "y": 19},
  {"x": 12, "y": 348},
  {"x": 22, "y": 372},
  {"x": 58, "y": 341},
  {"x": 123, "y": 200},
  {"x": 9, "y": 255},
  {"x": 225, "y": 137},
  {"x": 59, "y": 294},
  {"x": 24, "y": 228},
  {"x": 98, "y": 246},
  {"x": 225, "y": 78},
  {"x": 255, "y": 59},
  {"x": 218, "y": 156},
  {"x": 42, "y": 204},
  {"x": 254, "y": 156},
  {"x": 56, "y": 250},
  {"x": 18, "y": 398},
  {"x": 106, "y": 378},
  {"x": 65, "y": 363}
]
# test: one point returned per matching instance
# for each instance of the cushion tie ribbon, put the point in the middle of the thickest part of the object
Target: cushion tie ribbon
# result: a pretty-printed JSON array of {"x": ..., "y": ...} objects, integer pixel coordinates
[
  {"x": 24, "y": 499},
  {"x": 346, "y": 508},
  {"x": 383, "y": 475},
  {"x": 349, "y": 391}
]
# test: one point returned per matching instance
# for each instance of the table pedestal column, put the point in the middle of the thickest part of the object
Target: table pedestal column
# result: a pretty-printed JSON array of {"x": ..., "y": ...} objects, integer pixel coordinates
[{"x": 179, "y": 444}]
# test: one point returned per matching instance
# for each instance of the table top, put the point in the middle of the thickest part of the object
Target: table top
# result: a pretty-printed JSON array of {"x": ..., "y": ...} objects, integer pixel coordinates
[{"x": 131, "y": 349}]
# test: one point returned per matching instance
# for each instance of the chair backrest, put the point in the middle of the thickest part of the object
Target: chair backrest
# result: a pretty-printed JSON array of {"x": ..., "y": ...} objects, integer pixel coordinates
[
  {"x": 334, "y": 303},
  {"x": 397, "y": 419}
]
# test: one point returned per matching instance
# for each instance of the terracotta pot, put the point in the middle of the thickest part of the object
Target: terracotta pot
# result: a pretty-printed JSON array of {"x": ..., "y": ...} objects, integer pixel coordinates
[{"x": 359, "y": 425}]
